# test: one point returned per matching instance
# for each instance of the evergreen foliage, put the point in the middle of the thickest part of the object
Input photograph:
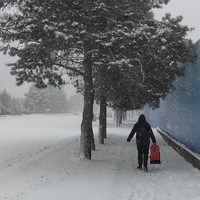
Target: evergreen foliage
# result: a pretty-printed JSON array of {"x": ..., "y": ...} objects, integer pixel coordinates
[
  {"x": 10, "y": 105},
  {"x": 151, "y": 57},
  {"x": 48, "y": 100},
  {"x": 54, "y": 35}
]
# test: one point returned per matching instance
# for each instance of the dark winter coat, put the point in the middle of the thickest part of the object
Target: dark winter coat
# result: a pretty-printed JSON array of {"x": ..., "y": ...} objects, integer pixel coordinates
[{"x": 143, "y": 132}]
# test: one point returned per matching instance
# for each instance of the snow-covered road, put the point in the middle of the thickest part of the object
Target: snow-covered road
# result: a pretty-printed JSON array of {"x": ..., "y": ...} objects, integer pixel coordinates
[{"x": 39, "y": 160}]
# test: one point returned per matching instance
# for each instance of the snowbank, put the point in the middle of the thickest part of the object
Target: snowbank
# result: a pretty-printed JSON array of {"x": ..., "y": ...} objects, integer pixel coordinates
[{"x": 39, "y": 160}]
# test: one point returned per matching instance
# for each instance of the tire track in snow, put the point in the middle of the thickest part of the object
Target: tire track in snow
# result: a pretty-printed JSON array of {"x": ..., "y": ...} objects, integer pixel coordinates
[
  {"x": 121, "y": 165},
  {"x": 142, "y": 183},
  {"x": 128, "y": 182},
  {"x": 141, "y": 189}
]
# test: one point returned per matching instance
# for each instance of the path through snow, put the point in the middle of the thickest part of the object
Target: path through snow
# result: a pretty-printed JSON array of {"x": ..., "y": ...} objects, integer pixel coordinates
[{"x": 39, "y": 161}]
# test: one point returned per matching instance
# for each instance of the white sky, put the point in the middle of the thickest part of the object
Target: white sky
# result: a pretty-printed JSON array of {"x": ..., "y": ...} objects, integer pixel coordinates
[{"x": 189, "y": 9}]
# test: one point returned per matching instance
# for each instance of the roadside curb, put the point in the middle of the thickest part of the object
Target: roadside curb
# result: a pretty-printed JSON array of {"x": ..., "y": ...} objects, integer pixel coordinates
[{"x": 187, "y": 154}]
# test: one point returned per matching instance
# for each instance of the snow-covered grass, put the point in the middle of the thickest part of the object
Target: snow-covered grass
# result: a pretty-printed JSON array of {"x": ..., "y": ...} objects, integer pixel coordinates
[{"x": 39, "y": 160}]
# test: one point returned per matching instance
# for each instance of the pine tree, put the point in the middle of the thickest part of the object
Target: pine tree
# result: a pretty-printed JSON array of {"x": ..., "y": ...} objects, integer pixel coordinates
[
  {"x": 48, "y": 100},
  {"x": 6, "y": 102},
  {"x": 17, "y": 106}
]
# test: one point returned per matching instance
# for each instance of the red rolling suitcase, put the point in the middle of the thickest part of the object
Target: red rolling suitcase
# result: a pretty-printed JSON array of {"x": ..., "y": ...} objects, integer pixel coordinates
[{"x": 155, "y": 154}]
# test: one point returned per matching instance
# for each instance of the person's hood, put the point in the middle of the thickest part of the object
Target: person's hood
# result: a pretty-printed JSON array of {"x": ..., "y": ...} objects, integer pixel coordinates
[{"x": 141, "y": 119}]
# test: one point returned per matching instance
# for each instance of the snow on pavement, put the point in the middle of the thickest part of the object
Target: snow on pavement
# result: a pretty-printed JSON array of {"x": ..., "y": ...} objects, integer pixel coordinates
[{"x": 39, "y": 160}]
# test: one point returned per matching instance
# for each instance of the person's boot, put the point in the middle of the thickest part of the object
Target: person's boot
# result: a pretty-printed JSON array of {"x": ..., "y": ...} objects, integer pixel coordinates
[
  {"x": 139, "y": 167},
  {"x": 145, "y": 169}
]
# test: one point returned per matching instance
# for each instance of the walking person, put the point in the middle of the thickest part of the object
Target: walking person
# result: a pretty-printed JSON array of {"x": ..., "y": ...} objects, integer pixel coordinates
[{"x": 143, "y": 134}]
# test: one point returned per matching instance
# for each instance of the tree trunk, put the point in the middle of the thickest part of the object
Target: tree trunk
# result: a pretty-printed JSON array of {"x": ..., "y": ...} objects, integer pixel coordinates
[
  {"x": 118, "y": 117},
  {"x": 102, "y": 119},
  {"x": 93, "y": 141},
  {"x": 86, "y": 125},
  {"x": 125, "y": 114}
]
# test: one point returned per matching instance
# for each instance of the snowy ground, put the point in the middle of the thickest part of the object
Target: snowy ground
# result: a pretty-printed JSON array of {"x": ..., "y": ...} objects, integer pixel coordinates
[{"x": 39, "y": 161}]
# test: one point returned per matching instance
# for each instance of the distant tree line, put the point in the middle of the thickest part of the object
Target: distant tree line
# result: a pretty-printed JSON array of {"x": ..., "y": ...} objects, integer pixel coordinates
[
  {"x": 48, "y": 100},
  {"x": 10, "y": 105}
]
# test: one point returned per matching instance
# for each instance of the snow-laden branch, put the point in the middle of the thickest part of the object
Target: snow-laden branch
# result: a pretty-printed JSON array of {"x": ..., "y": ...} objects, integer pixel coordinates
[
  {"x": 89, "y": 53},
  {"x": 70, "y": 68},
  {"x": 141, "y": 68}
]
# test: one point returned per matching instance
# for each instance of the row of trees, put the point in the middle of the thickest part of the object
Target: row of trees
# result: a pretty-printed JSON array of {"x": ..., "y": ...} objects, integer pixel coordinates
[
  {"x": 49, "y": 100},
  {"x": 10, "y": 105},
  {"x": 114, "y": 52}
]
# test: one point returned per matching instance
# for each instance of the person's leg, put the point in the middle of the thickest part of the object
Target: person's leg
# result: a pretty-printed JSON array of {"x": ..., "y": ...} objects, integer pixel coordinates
[
  {"x": 146, "y": 154},
  {"x": 145, "y": 161},
  {"x": 139, "y": 148}
]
